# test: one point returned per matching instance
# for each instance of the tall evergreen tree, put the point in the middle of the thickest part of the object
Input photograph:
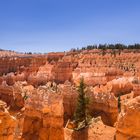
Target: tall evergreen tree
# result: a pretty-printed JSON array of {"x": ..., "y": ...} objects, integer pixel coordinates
[{"x": 81, "y": 113}]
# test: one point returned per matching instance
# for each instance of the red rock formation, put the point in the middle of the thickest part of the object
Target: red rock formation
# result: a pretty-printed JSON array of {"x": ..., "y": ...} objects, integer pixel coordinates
[
  {"x": 104, "y": 100},
  {"x": 43, "y": 75},
  {"x": 128, "y": 126},
  {"x": 12, "y": 95},
  {"x": 136, "y": 90},
  {"x": 7, "y": 123},
  {"x": 96, "y": 131},
  {"x": 120, "y": 86},
  {"x": 70, "y": 95},
  {"x": 13, "y": 64},
  {"x": 63, "y": 71},
  {"x": 55, "y": 56},
  {"x": 43, "y": 116},
  {"x": 104, "y": 104}
]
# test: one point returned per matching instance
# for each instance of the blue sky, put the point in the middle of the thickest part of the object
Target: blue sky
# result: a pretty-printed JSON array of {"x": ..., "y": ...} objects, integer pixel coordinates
[{"x": 58, "y": 25}]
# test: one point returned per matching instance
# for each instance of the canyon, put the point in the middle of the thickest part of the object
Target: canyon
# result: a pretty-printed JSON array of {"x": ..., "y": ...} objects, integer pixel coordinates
[{"x": 38, "y": 95}]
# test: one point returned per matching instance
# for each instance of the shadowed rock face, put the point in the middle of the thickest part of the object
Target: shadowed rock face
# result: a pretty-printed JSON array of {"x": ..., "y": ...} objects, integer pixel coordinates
[{"x": 41, "y": 94}]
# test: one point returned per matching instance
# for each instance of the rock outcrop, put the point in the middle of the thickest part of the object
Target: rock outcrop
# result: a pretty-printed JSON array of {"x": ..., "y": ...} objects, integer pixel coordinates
[
  {"x": 43, "y": 75},
  {"x": 103, "y": 99},
  {"x": 12, "y": 95},
  {"x": 96, "y": 131},
  {"x": 7, "y": 123},
  {"x": 43, "y": 116},
  {"x": 70, "y": 95},
  {"x": 128, "y": 126}
]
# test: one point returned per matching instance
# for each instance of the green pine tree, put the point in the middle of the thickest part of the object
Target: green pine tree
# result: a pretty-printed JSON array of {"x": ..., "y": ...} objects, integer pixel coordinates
[{"x": 81, "y": 113}]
